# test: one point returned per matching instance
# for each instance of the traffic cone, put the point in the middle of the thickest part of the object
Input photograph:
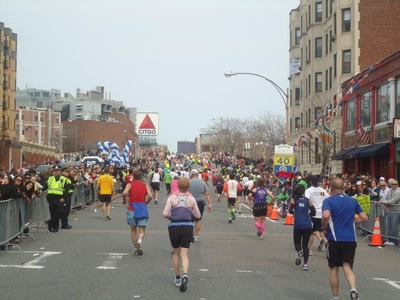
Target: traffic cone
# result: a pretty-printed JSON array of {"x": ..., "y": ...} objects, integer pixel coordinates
[
  {"x": 289, "y": 219},
  {"x": 376, "y": 240},
  {"x": 269, "y": 212},
  {"x": 274, "y": 215}
]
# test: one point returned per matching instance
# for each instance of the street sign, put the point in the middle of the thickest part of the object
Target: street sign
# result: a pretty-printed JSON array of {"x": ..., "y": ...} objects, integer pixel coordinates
[{"x": 283, "y": 162}]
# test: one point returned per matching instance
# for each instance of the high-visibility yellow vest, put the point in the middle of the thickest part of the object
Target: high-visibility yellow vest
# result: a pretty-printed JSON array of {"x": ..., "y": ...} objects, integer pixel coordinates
[
  {"x": 56, "y": 187},
  {"x": 71, "y": 190}
]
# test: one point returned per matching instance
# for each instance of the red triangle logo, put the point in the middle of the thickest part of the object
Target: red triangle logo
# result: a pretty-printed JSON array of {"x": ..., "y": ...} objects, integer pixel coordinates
[{"x": 147, "y": 123}]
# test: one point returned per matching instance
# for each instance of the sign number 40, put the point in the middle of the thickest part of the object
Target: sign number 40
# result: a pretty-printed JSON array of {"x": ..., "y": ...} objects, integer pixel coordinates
[{"x": 285, "y": 161}]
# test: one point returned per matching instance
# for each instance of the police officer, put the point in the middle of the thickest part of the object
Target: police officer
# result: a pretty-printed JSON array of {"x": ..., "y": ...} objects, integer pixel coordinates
[
  {"x": 69, "y": 187},
  {"x": 56, "y": 195}
]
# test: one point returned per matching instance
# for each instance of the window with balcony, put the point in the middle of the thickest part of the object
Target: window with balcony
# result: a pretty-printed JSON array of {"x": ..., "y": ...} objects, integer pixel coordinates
[
  {"x": 351, "y": 112},
  {"x": 318, "y": 47},
  {"x": 365, "y": 109},
  {"x": 383, "y": 103},
  {"x": 318, "y": 82},
  {"x": 346, "y": 57},
  {"x": 297, "y": 36},
  {"x": 346, "y": 20},
  {"x": 318, "y": 12}
]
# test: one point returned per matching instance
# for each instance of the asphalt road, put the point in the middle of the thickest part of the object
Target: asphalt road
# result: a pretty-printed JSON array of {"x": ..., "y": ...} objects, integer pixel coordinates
[{"x": 94, "y": 260}]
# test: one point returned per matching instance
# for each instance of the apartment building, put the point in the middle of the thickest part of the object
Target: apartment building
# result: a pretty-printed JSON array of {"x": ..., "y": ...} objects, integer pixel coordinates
[{"x": 330, "y": 42}]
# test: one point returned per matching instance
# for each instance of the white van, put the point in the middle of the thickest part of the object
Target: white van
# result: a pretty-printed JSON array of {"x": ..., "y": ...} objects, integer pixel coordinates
[{"x": 92, "y": 160}]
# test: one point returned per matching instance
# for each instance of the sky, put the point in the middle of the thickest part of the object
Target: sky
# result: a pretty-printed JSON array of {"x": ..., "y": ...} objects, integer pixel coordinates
[{"x": 165, "y": 56}]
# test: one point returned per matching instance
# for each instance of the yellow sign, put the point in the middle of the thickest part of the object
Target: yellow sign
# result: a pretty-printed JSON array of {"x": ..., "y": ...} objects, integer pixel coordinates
[
  {"x": 283, "y": 159},
  {"x": 365, "y": 203}
]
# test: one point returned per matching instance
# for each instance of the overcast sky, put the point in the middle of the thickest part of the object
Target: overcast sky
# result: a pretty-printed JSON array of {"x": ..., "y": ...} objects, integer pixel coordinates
[{"x": 165, "y": 56}]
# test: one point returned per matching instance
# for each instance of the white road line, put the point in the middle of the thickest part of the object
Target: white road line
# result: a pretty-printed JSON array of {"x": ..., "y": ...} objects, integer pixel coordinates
[
  {"x": 244, "y": 271},
  {"x": 392, "y": 283},
  {"x": 21, "y": 266},
  {"x": 253, "y": 217},
  {"x": 115, "y": 253},
  {"x": 32, "y": 264},
  {"x": 203, "y": 270},
  {"x": 110, "y": 262},
  {"x": 34, "y": 252}
]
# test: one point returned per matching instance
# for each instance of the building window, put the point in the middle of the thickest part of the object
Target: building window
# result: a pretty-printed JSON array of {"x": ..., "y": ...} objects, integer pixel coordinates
[
  {"x": 318, "y": 47},
  {"x": 309, "y": 15},
  {"x": 330, "y": 6},
  {"x": 365, "y": 109},
  {"x": 326, "y": 9},
  {"x": 330, "y": 41},
  {"x": 297, "y": 96},
  {"x": 397, "y": 97},
  {"x": 297, "y": 37},
  {"x": 297, "y": 123},
  {"x": 346, "y": 56},
  {"x": 346, "y": 20},
  {"x": 309, "y": 84},
  {"x": 318, "y": 12},
  {"x": 318, "y": 82},
  {"x": 326, "y": 44},
  {"x": 309, "y": 151},
  {"x": 334, "y": 24},
  {"x": 351, "y": 112},
  {"x": 318, "y": 112},
  {"x": 309, "y": 49},
  {"x": 326, "y": 79},
  {"x": 316, "y": 149},
  {"x": 291, "y": 96},
  {"x": 334, "y": 66},
  {"x": 383, "y": 103},
  {"x": 330, "y": 77}
]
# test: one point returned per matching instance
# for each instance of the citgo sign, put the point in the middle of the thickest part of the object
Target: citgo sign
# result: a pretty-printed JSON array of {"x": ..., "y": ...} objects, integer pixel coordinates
[{"x": 147, "y": 123}]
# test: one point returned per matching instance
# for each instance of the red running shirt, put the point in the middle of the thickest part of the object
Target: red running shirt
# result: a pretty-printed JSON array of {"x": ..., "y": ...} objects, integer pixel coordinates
[{"x": 137, "y": 193}]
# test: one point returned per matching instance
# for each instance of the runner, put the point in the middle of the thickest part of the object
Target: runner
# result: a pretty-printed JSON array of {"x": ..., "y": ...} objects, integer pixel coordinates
[
  {"x": 338, "y": 223},
  {"x": 137, "y": 214},
  {"x": 317, "y": 195},
  {"x": 219, "y": 185},
  {"x": 301, "y": 207},
  {"x": 106, "y": 190},
  {"x": 259, "y": 196},
  {"x": 231, "y": 189},
  {"x": 179, "y": 210}
]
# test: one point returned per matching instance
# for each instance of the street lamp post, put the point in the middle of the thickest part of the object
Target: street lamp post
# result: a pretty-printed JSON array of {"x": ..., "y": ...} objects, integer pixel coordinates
[{"x": 284, "y": 96}]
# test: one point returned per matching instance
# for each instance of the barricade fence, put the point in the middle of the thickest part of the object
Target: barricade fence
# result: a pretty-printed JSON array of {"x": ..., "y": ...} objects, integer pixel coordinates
[
  {"x": 389, "y": 220},
  {"x": 18, "y": 216}
]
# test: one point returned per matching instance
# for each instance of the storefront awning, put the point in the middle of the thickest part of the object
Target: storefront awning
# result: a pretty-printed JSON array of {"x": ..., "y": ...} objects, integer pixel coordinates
[
  {"x": 355, "y": 153},
  {"x": 381, "y": 149},
  {"x": 340, "y": 155}
]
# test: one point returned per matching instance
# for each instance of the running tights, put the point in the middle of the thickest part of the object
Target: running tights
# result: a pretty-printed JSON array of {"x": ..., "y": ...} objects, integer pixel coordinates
[{"x": 301, "y": 238}]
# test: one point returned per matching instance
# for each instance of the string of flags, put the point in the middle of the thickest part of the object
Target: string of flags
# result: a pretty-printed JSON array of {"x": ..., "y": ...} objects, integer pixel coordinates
[{"x": 331, "y": 109}]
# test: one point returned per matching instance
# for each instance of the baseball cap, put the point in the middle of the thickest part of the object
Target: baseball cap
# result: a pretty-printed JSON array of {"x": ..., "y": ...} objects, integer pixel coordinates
[
  {"x": 358, "y": 183},
  {"x": 382, "y": 179},
  {"x": 194, "y": 171}
]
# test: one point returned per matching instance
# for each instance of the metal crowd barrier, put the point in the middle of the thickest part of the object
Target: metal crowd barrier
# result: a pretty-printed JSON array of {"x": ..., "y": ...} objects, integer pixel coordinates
[
  {"x": 18, "y": 217},
  {"x": 389, "y": 221}
]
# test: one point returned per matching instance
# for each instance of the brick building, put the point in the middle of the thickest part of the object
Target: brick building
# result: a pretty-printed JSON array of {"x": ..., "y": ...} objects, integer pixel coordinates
[
  {"x": 371, "y": 100},
  {"x": 330, "y": 41}
]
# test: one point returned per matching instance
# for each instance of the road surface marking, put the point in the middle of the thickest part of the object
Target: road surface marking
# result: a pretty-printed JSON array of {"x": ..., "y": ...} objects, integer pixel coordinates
[
  {"x": 391, "y": 282},
  {"x": 110, "y": 262},
  {"x": 32, "y": 264}
]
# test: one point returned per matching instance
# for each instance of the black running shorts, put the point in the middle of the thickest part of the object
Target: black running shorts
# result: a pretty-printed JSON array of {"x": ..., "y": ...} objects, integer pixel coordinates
[
  {"x": 200, "y": 204},
  {"x": 260, "y": 210},
  {"x": 180, "y": 236},
  {"x": 339, "y": 252},
  {"x": 105, "y": 198},
  {"x": 317, "y": 225},
  {"x": 219, "y": 190},
  {"x": 231, "y": 201}
]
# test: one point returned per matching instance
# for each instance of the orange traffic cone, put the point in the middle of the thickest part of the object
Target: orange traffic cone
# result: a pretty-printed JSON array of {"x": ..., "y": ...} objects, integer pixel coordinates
[
  {"x": 269, "y": 212},
  {"x": 289, "y": 219},
  {"x": 376, "y": 240},
  {"x": 274, "y": 215}
]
